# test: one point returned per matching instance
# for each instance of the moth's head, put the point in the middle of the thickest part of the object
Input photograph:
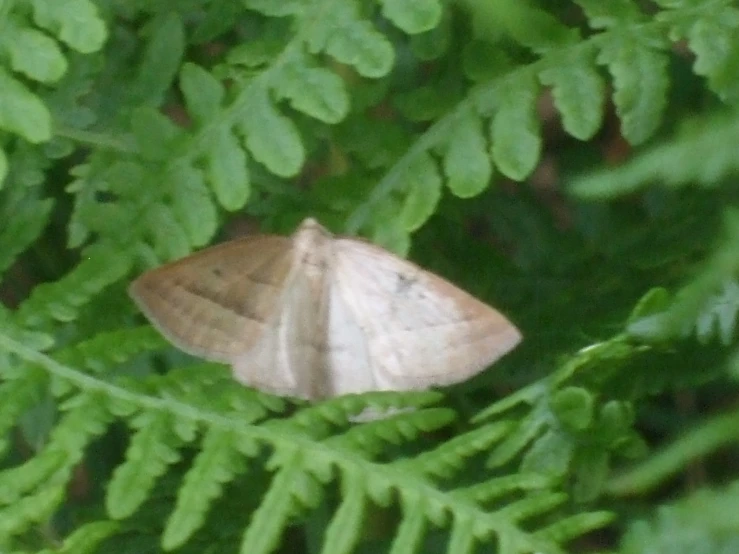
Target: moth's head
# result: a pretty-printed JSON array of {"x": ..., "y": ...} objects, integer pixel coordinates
[
  {"x": 311, "y": 226},
  {"x": 311, "y": 242},
  {"x": 311, "y": 233}
]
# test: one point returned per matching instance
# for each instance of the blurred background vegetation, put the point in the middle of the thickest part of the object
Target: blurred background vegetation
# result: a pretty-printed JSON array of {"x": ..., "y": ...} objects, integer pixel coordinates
[{"x": 572, "y": 163}]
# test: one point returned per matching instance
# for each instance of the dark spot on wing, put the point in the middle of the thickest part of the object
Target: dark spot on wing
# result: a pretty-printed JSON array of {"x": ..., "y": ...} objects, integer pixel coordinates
[
  {"x": 404, "y": 283},
  {"x": 405, "y": 288},
  {"x": 228, "y": 292}
]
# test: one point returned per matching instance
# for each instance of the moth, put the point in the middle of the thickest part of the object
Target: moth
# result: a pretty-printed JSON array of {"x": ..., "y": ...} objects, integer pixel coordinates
[{"x": 316, "y": 315}]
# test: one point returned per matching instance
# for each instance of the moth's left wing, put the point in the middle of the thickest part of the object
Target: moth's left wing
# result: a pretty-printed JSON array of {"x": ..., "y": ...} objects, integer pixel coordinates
[{"x": 414, "y": 329}]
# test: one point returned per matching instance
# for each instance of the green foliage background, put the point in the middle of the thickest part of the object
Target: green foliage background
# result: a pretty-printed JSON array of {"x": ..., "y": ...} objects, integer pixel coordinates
[{"x": 572, "y": 162}]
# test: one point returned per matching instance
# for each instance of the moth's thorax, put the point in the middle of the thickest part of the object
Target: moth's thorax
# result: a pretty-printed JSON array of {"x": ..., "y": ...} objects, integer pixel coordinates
[{"x": 312, "y": 248}]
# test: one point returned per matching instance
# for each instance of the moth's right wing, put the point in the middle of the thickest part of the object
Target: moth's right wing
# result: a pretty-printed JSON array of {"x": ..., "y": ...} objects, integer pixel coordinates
[{"x": 217, "y": 303}]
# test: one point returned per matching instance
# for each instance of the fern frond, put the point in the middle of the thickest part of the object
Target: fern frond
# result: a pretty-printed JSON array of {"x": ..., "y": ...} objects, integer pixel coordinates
[
  {"x": 706, "y": 520},
  {"x": 62, "y": 299},
  {"x": 34, "y": 508},
  {"x": 35, "y": 489},
  {"x": 21, "y": 394},
  {"x": 633, "y": 52},
  {"x": 39, "y": 57},
  {"x": 704, "y": 439},
  {"x": 698, "y": 155},
  {"x": 711, "y": 39},
  {"x": 345, "y": 528},
  {"x": 719, "y": 315},
  {"x": 291, "y": 489},
  {"x": 302, "y": 466},
  {"x": 106, "y": 350},
  {"x": 447, "y": 459},
  {"x": 499, "y": 487},
  {"x": 217, "y": 463},
  {"x": 154, "y": 446},
  {"x": 23, "y": 113},
  {"x": 86, "y": 539},
  {"x": 24, "y": 217},
  {"x": 700, "y": 293}
]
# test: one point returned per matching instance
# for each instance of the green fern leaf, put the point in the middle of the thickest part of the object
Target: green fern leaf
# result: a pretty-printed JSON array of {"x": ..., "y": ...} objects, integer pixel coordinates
[
  {"x": 579, "y": 94},
  {"x": 690, "y": 158},
  {"x": 105, "y": 351},
  {"x": 706, "y": 521},
  {"x": 35, "y": 508},
  {"x": 712, "y": 38},
  {"x": 550, "y": 454},
  {"x": 281, "y": 9},
  {"x": 87, "y": 538},
  {"x": 718, "y": 269},
  {"x": 192, "y": 205},
  {"x": 515, "y": 129},
  {"x": 372, "y": 437},
  {"x": 574, "y": 526},
  {"x": 463, "y": 535},
  {"x": 18, "y": 396},
  {"x": 120, "y": 177},
  {"x": 604, "y": 15},
  {"x": 319, "y": 420},
  {"x": 315, "y": 91},
  {"x": 433, "y": 43},
  {"x": 466, "y": 160},
  {"x": 155, "y": 133},
  {"x": 216, "y": 464},
  {"x": 411, "y": 530},
  {"x": 21, "y": 111},
  {"x": 391, "y": 234},
  {"x": 590, "y": 470},
  {"x": 447, "y": 459},
  {"x": 203, "y": 93},
  {"x": 538, "y": 30},
  {"x": 345, "y": 527},
  {"x": 423, "y": 184},
  {"x": 24, "y": 218},
  {"x": 161, "y": 60},
  {"x": 152, "y": 449},
  {"x": 227, "y": 170},
  {"x": 76, "y": 22},
  {"x": 62, "y": 299},
  {"x": 271, "y": 516},
  {"x": 498, "y": 487},
  {"x": 361, "y": 46},
  {"x": 528, "y": 429},
  {"x": 528, "y": 395},
  {"x": 711, "y": 435},
  {"x": 531, "y": 506},
  {"x": 434, "y": 509},
  {"x": 34, "y": 54},
  {"x": 413, "y": 17},
  {"x": 426, "y": 103},
  {"x": 352, "y": 41},
  {"x": 3, "y": 168},
  {"x": 719, "y": 316},
  {"x": 574, "y": 407},
  {"x": 272, "y": 138},
  {"x": 15, "y": 482},
  {"x": 85, "y": 420},
  {"x": 640, "y": 79},
  {"x": 170, "y": 239}
]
